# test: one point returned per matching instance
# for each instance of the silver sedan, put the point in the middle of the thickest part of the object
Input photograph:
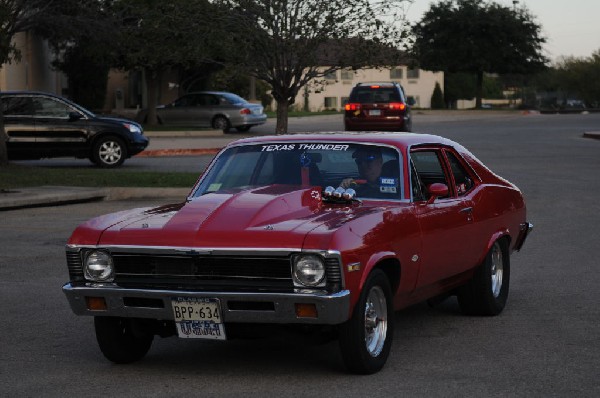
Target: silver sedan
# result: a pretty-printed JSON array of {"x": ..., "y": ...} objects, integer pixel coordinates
[{"x": 217, "y": 109}]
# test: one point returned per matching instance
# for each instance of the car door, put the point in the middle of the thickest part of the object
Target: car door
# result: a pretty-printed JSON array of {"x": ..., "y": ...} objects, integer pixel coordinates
[
  {"x": 446, "y": 223},
  {"x": 60, "y": 129},
  {"x": 19, "y": 126}
]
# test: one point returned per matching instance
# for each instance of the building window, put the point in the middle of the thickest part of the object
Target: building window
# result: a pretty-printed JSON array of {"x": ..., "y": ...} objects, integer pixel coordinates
[
  {"x": 412, "y": 73},
  {"x": 347, "y": 75},
  {"x": 330, "y": 102},
  {"x": 396, "y": 73},
  {"x": 331, "y": 75}
]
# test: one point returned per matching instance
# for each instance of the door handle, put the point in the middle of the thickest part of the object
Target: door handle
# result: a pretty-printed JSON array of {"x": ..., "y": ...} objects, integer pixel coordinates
[{"x": 466, "y": 210}]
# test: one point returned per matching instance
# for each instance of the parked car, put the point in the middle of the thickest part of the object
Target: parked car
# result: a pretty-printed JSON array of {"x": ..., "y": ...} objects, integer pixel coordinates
[
  {"x": 378, "y": 107},
  {"x": 41, "y": 125},
  {"x": 265, "y": 239},
  {"x": 216, "y": 109}
]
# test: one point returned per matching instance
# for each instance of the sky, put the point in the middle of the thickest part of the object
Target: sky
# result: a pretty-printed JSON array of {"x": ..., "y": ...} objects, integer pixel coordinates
[{"x": 571, "y": 27}]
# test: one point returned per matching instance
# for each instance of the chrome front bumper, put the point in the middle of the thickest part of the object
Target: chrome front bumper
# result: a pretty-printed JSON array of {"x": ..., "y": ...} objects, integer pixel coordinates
[{"x": 236, "y": 307}]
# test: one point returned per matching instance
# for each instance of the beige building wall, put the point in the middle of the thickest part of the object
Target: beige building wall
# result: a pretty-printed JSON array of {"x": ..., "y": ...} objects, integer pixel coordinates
[
  {"x": 33, "y": 71},
  {"x": 332, "y": 91}
]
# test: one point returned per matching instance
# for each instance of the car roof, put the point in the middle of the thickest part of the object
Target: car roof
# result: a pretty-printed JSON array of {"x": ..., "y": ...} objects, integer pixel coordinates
[
  {"x": 399, "y": 140},
  {"x": 26, "y": 92}
]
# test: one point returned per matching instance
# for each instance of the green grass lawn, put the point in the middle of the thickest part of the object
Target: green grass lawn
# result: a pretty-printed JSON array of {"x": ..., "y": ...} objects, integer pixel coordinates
[{"x": 17, "y": 176}]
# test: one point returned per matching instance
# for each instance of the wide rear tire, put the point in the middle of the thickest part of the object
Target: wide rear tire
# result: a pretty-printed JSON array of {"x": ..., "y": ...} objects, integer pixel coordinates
[
  {"x": 366, "y": 339},
  {"x": 486, "y": 294}
]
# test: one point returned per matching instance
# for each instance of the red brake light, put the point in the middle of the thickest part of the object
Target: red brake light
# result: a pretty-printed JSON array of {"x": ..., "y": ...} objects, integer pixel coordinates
[
  {"x": 375, "y": 86},
  {"x": 397, "y": 105},
  {"x": 245, "y": 111},
  {"x": 352, "y": 107}
]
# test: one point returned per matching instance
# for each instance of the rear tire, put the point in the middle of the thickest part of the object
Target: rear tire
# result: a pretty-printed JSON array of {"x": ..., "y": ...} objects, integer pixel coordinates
[
  {"x": 221, "y": 123},
  {"x": 122, "y": 340},
  {"x": 366, "y": 338},
  {"x": 486, "y": 294}
]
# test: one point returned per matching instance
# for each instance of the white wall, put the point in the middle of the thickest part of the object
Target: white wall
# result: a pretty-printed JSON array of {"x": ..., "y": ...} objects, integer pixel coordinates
[{"x": 337, "y": 90}]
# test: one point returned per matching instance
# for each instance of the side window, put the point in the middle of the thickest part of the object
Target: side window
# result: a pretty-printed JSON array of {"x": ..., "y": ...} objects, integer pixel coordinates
[
  {"x": 17, "y": 106},
  {"x": 429, "y": 167},
  {"x": 462, "y": 179},
  {"x": 47, "y": 107},
  {"x": 419, "y": 192}
]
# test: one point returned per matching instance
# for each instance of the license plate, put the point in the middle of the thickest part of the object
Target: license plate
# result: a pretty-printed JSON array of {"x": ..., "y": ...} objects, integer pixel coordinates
[
  {"x": 198, "y": 318},
  {"x": 375, "y": 112}
]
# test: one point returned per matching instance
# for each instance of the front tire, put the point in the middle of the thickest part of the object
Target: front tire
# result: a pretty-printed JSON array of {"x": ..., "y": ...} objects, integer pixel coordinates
[
  {"x": 486, "y": 294},
  {"x": 366, "y": 338},
  {"x": 121, "y": 340},
  {"x": 109, "y": 152}
]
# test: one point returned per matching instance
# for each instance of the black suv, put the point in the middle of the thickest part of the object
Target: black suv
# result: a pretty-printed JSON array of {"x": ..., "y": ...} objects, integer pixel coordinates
[
  {"x": 377, "y": 106},
  {"x": 41, "y": 125}
]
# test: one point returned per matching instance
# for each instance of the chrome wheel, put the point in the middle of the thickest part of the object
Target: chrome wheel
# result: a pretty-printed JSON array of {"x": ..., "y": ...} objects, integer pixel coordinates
[
  {"x": 497, "y": 269},
  {"x": 376, "y": 321},
  {"x": 110, "y": 152}
]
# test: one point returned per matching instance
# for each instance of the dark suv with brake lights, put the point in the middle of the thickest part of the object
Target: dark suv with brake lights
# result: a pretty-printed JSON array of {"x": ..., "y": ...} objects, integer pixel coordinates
[
  {"x": 376, "y": 107},
  {"x": 41, "y": 125}
]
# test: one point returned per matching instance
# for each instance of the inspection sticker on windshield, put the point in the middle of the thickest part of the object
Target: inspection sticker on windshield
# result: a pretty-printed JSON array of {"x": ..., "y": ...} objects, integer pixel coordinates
[
  {"x": 198, "y": 318},
  {"x": 388, "y": 185}
]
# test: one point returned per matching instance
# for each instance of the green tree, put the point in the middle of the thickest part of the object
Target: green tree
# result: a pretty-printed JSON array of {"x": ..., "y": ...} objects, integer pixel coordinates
[
  {"x": 17, "y": 16},
  {"x": 437, "y": 98},
  {"x": 156, "y": 36},
  {"x": 288, "y": 43},
  {"x": 81, "y": 35},
  {"x": 476, "y": 37}
]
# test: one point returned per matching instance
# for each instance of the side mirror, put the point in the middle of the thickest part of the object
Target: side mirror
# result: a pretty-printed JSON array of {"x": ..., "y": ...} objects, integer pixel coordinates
[
  {"x": 73, "y": 116},
  {"x": 411, "y": 101},
  {"x": 437, "y": 190}
]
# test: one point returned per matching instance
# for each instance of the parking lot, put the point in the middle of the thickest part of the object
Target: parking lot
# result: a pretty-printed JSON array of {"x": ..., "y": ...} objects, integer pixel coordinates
[{"x": 545, "y": 344}]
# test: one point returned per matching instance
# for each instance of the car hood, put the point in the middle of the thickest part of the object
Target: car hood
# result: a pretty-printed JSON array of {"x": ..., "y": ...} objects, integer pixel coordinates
[
  {"x": 271, "y": 217},
  {"x": 116, "y": 120}
]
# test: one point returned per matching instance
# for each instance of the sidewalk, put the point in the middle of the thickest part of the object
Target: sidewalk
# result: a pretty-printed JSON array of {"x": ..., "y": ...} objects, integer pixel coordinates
[{"x": 166, "y": 143}]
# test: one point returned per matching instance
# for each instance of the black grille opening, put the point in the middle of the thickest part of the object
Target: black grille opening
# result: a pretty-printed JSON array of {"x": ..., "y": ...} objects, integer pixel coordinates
[
  {"x": 251, "y": 306},
  {"x": 143, "y": 302}
]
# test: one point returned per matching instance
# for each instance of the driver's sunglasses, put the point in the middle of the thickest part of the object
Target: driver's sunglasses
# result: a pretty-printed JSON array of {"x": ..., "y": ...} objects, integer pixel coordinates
[{"x": 366, "y": 159}]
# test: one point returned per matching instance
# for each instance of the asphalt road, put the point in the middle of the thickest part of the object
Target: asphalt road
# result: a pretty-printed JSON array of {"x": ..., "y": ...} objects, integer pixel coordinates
[{"x": 545, "y": 344}]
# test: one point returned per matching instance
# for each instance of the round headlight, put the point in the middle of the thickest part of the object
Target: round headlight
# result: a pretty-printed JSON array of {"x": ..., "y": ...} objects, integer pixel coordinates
[
  {"x": 98, "y": 266},
  {"x": 309, "y": 270}
]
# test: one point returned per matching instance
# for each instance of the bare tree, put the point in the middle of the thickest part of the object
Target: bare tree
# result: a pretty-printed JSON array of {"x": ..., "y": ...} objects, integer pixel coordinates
[{"x": 288, "y": 43}]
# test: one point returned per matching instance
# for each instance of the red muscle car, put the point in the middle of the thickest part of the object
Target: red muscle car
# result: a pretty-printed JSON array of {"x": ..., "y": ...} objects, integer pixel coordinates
[{"x": 330, "y": 231}]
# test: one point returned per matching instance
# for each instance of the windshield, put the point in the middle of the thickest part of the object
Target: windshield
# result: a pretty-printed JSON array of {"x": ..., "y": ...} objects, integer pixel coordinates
[{"x": 373, "y": 171}]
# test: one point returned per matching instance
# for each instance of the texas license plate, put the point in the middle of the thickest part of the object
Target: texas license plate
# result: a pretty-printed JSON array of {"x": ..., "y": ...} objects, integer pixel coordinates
[{"x": 198, "y": 318}]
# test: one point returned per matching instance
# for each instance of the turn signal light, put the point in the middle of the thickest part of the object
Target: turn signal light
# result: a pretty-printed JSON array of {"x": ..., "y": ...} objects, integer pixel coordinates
[
  {"x": 306, "y": 310},
  {"x": 96, "y": 303}
]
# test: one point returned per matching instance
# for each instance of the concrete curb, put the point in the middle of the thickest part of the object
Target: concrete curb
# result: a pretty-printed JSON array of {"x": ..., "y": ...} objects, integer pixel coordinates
[
  {"x": 592, "y": 134},
  {"x": 178, "y": 152},
  {"x": 58, "y": 195}
]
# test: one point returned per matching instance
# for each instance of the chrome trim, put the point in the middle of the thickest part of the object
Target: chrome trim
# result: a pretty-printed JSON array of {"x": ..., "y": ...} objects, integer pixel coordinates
[{"x": 332, "y": 308}]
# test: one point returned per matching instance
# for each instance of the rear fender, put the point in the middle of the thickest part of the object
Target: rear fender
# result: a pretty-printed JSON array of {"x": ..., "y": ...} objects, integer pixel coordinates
[{"x": 497, "y": 235}]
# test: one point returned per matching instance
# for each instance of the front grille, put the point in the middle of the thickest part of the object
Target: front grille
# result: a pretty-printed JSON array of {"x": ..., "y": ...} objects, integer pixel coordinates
[
  {"x": 206, "y": 272},
  {"x": 243, "y": 273},
  {"x": 75, "y": 266}
]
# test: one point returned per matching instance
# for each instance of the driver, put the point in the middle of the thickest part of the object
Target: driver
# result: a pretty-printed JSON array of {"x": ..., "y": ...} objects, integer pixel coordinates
[{"x": 369, "y": 161}]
